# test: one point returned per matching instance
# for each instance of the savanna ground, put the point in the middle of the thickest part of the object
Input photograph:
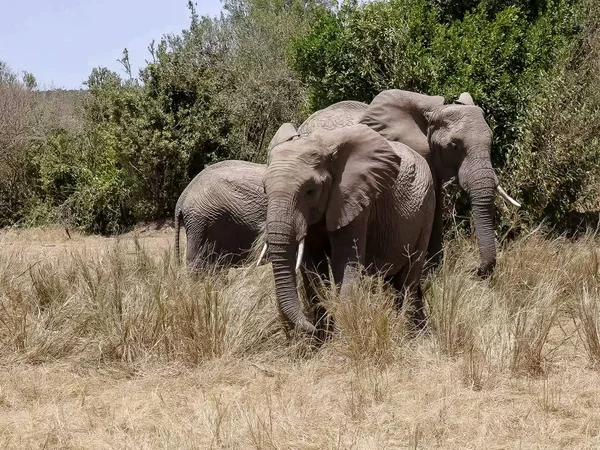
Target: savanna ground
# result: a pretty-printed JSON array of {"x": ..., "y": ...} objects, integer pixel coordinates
[{"x": 105, "y": 343}]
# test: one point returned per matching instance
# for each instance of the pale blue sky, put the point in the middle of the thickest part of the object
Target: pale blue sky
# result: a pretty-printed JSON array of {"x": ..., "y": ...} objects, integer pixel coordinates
[{"x": 60, "y": 41}]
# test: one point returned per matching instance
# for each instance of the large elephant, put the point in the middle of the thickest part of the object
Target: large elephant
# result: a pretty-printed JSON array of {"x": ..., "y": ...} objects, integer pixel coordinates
[
  {"x": 223, "y": 210},
  {"x": 351, "y": 194},
  {"x": 456, "y": 141}
]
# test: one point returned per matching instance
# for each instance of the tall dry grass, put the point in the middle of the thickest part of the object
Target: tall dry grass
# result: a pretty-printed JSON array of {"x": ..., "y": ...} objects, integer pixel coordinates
[
  {"x": 130, "y": 306},
  {"x": 112, "y": 345}
]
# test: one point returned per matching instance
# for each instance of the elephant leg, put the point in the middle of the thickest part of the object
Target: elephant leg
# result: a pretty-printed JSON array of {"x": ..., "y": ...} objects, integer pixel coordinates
[
  {"x": 348, "y": 253},
  {"x": 407, "y": 283},
  {"x": 311, "y": 282},
  {"x": 314, "y": 273},
  {"x": 413, "y": 292},
  {"x": 192, "y": 250},
  {"x": 197, "y": 254},
  {"x": 434, "y": 249}
]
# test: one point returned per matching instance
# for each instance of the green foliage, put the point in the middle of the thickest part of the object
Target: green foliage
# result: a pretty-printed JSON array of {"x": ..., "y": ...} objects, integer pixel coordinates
[
  {"x": 504, "y": 53},
  {"x": 217, "y": 91},
  {"x": 457, "y": 9},
  {"x": 123, "y": 151},
  {"x": 362, "y": 50},
  {"x": 555, "y": 162},
  {"x": 29, "y": 80},
  {"x": 80, "y": 182}
]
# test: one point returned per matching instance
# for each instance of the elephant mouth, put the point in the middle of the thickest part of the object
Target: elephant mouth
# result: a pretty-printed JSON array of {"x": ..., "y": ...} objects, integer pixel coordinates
[
  {"x": 299, "y": 253},
  {"x": 315, "y": 240}
]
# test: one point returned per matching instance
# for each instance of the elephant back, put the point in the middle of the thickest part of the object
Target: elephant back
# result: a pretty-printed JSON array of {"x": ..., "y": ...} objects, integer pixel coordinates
[
  {"x": 339, "y": 115},
  {"x": 224, "y": 179}
]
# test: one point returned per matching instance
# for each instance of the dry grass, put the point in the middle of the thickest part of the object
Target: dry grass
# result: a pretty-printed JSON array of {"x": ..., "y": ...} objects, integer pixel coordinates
[{"x": 105, "y": 343}]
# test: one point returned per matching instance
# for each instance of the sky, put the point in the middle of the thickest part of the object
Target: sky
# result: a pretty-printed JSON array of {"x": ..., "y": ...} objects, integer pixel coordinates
[{"x": 61, "y": 41}]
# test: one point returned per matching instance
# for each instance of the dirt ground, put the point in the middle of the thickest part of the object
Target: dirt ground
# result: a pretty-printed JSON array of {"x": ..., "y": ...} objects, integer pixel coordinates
[{"x": 55, "y": 241}]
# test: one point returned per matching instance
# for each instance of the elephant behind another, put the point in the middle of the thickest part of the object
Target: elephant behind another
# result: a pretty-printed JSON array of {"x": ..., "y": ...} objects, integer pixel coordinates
[
  {"x": 339, "y": 115},
  {"x": 223, "y": 210}
]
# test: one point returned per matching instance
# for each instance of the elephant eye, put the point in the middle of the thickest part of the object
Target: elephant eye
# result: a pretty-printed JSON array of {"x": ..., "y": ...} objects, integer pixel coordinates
[{"x": 312, "y": 192}]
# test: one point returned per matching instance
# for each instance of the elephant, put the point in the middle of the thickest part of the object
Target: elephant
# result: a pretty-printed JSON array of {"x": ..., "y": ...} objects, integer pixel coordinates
[
  {"x": 456, "y": 141},
  {"x": 223, "y": 210},
  {"x": 352, "y": 196}
]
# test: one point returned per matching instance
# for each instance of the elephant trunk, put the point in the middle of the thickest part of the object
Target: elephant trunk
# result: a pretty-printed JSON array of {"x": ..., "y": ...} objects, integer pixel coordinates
[
  {"x": 483, "y": 213},
  {"x": 482, "y": 191},
  {"x": 178, "y": 223},
  {"x": 283, "y": 244}
]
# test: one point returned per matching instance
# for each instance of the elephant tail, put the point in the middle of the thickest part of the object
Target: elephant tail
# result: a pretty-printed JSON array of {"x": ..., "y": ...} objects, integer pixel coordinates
[{"x": 178, "y": 220}]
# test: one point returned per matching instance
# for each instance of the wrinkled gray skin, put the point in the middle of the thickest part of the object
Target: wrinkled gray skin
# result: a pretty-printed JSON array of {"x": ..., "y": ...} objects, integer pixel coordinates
[
  {"x": 456, "y": 141},
  {"x": 352, "y": 196},
  {"x": 338, "y": 115},
  {"x": 223, "y": 211}
]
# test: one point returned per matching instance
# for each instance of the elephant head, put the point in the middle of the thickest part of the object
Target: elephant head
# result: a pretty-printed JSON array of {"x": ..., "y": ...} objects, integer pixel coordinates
[
  {"x": 460, "y": 141},
  {"x": 456, "y": 141},
  {"x": 326, "y": 177}
]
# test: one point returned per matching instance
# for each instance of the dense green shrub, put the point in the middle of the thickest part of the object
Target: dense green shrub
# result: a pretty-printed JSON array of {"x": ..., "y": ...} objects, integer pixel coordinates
[
  {"x": 404, "y": 44},
  {"x": 513, "y": 57},
  {"x": 219, "y": 90},
  {"x": 81, "y": 183},
  {"x": 555, "y": 164},
  {"x": 123, "y": 150}
]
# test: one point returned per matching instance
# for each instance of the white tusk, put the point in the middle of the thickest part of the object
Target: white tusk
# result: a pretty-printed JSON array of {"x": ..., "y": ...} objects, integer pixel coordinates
[
  {"x": 300, "y": 254},
  {"x": 507, "y": 197},
  {"x": 262, "y": 254}
]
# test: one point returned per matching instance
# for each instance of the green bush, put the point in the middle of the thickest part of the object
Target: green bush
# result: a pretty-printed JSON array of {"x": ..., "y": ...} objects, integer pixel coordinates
[
  {"x": 123, "y": 151},
  {"x": 517, "y": 59},
  {"x": 555, "y": 164},
  {"x": 219, "y": 90},
  {"x": 404, "y": 44},
  {"x": 80, "y": 183}
]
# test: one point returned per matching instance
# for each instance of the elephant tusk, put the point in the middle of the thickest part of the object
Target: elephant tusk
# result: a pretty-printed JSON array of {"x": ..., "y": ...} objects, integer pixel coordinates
[
  {"x": 507, "y": 197},
  {"x": 300, "y": 254},
  {"x": 262, "y": 254}
]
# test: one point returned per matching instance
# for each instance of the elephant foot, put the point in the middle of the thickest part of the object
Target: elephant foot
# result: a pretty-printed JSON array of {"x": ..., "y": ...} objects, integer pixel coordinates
[
  {"x": 415, "y": 309},
  {"x": 486, "y": 271},
  {"x": 303, "y": 326}
]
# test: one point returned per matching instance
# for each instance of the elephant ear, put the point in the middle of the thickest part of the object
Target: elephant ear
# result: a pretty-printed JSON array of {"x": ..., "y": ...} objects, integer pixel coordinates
[
  {"x": 398, "y": 116},
  {"x": 286, "y": 132},
  {"x": 465, "y": 99},
  {"x": 363, "y": 166}
]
